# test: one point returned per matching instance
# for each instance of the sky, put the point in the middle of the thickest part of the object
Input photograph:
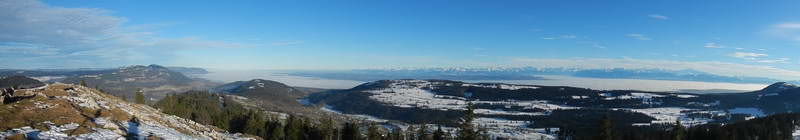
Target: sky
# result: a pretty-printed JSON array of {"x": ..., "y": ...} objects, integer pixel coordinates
[{"x": 727, "y": 37}]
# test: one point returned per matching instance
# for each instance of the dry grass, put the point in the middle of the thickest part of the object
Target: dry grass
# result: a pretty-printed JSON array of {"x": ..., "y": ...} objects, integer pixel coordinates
[{"x": 59, "y": 112}]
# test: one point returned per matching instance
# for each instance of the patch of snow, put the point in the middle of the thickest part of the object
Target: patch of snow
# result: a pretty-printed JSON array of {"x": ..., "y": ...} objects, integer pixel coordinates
[
  {"x": 500, "y": 86},
  {"x": 503, "y": 112},
  {"x": 715, "y": 103},
  {"x": 684, "y": 96},
  {"x": 645, "y": 95},
  {"x": 580, "y": 97},
  {"x": 511, "y": 129},
  {"x": 669, "y": 115},
  {"x": 41, "y": 105},
  {"x": 747, "y": 110},
  {"x": 48, "y": 78},
  {"x": 54, "y": 132},
  {"x": 516, "y": 87},
  {"x": 327, "y": 108}
]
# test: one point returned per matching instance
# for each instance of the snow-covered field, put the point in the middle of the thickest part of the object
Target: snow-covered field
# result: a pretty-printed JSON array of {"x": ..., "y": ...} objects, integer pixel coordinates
[
  {"x": 669, "y": 115},
  {"x": 413, "y": 94},
  {"x": 749, "y": 111},
  {"x": 498, "y": 127},
  {"x": 297, "y": 81},
  {"x": 327, "y": 108}
]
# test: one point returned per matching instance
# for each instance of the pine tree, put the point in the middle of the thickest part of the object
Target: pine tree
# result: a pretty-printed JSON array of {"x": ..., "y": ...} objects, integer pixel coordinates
[
  {"x": 293, "y": 128},
  {"x": 395, "y": 134},
  {"x": 606, "y": 132},
  {"x": 438, "y": 134},
  {"x": 373, "y": 133},
  {"x": 83, "y": 83},
  {"x": 422, "y": 132},
  {"x": 255, "y": 124},
  {"x": 276, "y": 131},
  {"x": 351, "y": 132},
  {"x": 328, "y": 128},
  {"x": 678, "y": 132},
  {"x": 467, "y": 131},
  {"x": 139, "y": 97}
]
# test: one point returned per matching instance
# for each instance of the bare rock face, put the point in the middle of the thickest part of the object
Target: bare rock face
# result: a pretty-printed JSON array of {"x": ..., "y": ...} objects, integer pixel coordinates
[{"x": 66, "y": 111}]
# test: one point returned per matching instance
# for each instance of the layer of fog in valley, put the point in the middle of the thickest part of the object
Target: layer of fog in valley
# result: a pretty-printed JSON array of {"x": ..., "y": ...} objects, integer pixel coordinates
[
  {"x": 550, "y": 80},
  {"x": 296, "y": 81}
]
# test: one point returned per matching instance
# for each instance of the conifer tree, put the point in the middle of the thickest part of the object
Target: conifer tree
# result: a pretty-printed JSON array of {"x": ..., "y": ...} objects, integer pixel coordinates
[
  {"x": 606, "y": 132},
  {"x": 328, "y": 129},
  {"x": 276, "y": 131},
  {"x": 351, "y": 132},
  {"x": 293, "y": 128},
  {"x": 678, "y": 132},
  {"x": 467, "y": 131},
  {"x": 83, "y": 83},
  {"x": 139, "y": 97},
  {"x": 438, "y": 134},
  {"x": 373, "y": 133},
  {"x": 422, "y": 132},
  {"x": 396, "y": 134}
]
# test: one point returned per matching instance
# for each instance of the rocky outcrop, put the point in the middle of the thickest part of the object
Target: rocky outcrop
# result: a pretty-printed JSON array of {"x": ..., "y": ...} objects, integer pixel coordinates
[{"x": 66, "y": 111}]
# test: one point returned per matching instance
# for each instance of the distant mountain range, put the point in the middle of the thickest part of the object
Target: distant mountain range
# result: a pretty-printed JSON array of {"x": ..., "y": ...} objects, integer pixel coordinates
[
  {"x": 19, "y": 82},
  {"x": 156, "y": 81},
  {"x": 528, "y": 73},
  {"x": 189, "y": 70},
  {"x": 533, "y": 107}
]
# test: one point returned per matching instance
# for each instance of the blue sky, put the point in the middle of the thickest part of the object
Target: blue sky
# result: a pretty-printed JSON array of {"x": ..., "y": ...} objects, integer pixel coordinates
[{"x": 722, "y": 37}]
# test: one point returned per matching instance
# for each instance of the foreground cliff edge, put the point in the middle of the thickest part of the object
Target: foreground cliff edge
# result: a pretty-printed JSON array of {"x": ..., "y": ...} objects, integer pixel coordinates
[{"x": 66, "y": 111}]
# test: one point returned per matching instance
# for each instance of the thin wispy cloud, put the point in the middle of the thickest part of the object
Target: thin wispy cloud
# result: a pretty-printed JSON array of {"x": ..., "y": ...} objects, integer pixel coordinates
[
  {"x": 657, "y": 16},
  {"x": 713, "y": 45},
  {"x": 780, "y": 60},
  {"x": 593, "y": 45},
  {"x": 560, "y": 37},
  {"x": 85, "y": 34},
  {"x": 747, "y": 55},
  {"x": 287, "y": 43},
  {"x": 786, "y": 30},
  {"x": 638, "y": 36}
]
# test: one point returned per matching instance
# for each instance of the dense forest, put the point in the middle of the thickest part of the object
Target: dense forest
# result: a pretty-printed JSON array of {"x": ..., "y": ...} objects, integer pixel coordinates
[
  {"x": 213, "y": 109},
  {"x": 774, "y": 127}
]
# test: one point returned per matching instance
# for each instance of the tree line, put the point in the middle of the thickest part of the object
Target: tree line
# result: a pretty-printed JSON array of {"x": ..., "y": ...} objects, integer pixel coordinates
[
  {"x": 773, "y": 127},
  {"x": 224, "y": 113}
]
